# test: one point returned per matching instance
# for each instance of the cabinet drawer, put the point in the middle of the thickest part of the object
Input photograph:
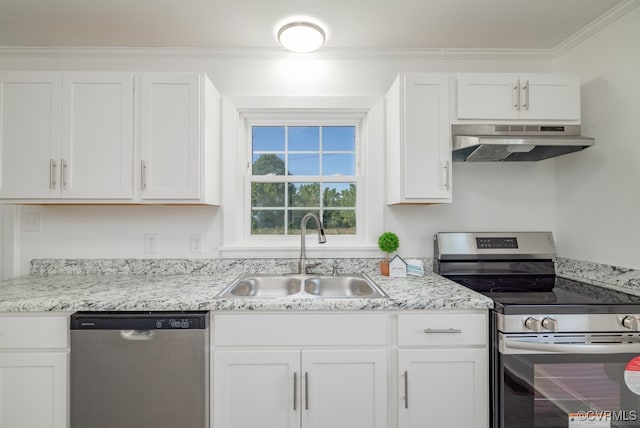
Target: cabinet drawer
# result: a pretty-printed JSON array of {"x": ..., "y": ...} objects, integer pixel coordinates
[
  {"x": 34, "y": 331},
  {"x": 438, "y": 329},
  {"x": 300, "y": 330}
]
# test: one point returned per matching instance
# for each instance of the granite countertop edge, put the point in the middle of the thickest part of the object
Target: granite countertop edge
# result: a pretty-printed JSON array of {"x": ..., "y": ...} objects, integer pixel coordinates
[{"x": 197, "y": 292}]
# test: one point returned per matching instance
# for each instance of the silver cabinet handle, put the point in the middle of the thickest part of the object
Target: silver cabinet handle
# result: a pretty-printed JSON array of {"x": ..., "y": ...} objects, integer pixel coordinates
[
  {"x": 63, "y": 173},
  {"x": 295, "y": 391},
  {"x": 406, "y": 389},
  {"x": 525, "y": 89},
  {"x": 570, "y": 348},
  {"x": 306, "y": 390},
  {"x": 143, "y": 174},
  {"x": 442, "y": 330},
  {"x": 445, "y": 175},
  {"x": 52, "y": 173},
  {"x": 515, "y": 95}
]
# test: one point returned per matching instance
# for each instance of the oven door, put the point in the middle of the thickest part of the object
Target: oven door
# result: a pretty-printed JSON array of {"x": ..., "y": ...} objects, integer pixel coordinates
[{"x": 567, "y": 381}]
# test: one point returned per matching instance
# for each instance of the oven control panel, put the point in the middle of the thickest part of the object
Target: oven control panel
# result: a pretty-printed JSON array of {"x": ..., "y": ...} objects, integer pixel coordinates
[{"x": 492, "y": 243}]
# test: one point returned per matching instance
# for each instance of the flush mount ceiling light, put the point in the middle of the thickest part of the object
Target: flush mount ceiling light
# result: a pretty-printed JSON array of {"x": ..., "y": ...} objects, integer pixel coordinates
[{"x": 301, "y": 36}]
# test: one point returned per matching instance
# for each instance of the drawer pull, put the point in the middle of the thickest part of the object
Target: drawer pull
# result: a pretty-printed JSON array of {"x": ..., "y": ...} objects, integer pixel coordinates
[{"x": 442, "y": 330}]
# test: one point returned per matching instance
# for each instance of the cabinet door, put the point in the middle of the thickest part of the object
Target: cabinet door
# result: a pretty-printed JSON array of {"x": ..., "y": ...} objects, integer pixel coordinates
[
  {"x": 418, "y": 139},
  {"x": 30, "y": 134},
  {"x": 488, "y": 96},
  {"x": 170, "y": 135},
  {"x": 344, "y": 389},
  {"x": 97, "y": 148},
  {"x": 427, "y": 150},
  {"x": 550, "y": 97},
  {"x": 33, "y": 390},
  {"x": 443, "y": 388},
  {"x": 256, "y": 389}
]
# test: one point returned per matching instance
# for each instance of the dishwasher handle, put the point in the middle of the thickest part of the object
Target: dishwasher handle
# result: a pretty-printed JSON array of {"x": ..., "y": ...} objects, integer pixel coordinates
[{"x": 137, "y": 335}]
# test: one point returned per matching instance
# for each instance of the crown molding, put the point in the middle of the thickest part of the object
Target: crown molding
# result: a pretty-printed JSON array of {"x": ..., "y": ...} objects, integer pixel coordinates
[
  {"x": 204, "y": 53},
  {"x": 595, "y": 26}
]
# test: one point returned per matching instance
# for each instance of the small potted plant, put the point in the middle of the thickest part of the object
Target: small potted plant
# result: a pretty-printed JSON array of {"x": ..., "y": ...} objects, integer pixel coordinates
[{"x": 387, "y": 242}]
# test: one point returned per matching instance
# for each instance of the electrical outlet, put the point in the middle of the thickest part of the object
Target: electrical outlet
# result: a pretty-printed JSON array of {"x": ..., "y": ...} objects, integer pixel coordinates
[
  {"x": 196, "y": 244},
  {"x": 31, "y": 222},
  {"x": 151, "y": 243}
]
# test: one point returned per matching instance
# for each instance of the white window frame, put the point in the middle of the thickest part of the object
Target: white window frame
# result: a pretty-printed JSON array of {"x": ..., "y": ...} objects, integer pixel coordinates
[
  {"x": 305, "y": 119},
  {"x": 239, "y": 114}
]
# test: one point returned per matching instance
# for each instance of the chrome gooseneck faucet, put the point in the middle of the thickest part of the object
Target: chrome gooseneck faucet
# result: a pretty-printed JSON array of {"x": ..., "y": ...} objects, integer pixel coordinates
[{"x": 302, "y": 264}]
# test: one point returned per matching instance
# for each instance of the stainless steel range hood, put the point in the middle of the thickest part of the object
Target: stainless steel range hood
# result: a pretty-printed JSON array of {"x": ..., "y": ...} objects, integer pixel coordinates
[{"x": 491, "y": 143}]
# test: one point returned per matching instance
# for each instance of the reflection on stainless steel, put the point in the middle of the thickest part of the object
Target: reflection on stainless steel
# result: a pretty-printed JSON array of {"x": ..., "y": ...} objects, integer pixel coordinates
[{"x": 269, "y": 286}]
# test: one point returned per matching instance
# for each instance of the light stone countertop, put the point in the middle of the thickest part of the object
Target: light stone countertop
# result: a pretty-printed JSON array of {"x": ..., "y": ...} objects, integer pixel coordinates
[
  {"x": 192, "y": 284},
  {"x": 100, "y": 291}
]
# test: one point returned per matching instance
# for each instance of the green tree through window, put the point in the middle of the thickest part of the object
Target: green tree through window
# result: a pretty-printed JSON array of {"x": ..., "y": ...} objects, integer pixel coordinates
[{"x": 300, "y": 169}]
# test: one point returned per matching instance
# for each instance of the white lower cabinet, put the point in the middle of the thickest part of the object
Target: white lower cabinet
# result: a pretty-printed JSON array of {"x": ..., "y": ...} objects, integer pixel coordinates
[
  {"x": 319, "y": 383},
  {"x": 34, "y": 357},
  {"x": 443, "y": 370},
  {"x": 443, "y": 388}
]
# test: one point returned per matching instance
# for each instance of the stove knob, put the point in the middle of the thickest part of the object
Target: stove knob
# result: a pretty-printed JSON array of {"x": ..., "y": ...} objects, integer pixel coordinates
[
  {"x": 631, "y": 322},
  {"x": 550, "y": 324},
  {"x": 533, "y": 324}
]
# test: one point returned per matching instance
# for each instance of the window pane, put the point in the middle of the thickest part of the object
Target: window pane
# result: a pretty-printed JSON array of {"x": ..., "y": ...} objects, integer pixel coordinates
[
  {"x": 339, "y": 222},
  {"x": 268, "y": 138},
  {"x": 267, "y": 195},
  {"x": 339, "y": 195},
  {"x": 295, "y": 216},
  {"x": 338, "y": 164},
  {"x": 267, "y": 222},
  {"x": 339, "y": 138},
  {"x": 304, "y": 164},
  {"x": 268, "y": 164},
  {"x": 304, "y": 138},
  {"x": 304, "y": 195}
]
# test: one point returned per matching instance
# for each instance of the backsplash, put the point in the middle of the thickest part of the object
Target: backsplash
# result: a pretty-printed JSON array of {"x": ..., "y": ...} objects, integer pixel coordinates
[{"x": 195, "y": 266}]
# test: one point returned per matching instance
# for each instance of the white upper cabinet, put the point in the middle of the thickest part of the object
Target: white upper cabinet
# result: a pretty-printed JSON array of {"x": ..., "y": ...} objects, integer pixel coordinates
[
  {"x": 179, "y": 146},
  {"x": 518, "y": 97},
  {"x": 30, "y": 134},
  {"x": 97, "y": 134},
  {"x": 418, "y": 139},
  {"x": 74, "y": 137},
  {"x": 66, "y": 135}
]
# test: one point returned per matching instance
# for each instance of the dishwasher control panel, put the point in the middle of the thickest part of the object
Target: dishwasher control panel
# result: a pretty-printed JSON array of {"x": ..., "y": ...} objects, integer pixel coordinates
[{"x": 149, "y": 320}]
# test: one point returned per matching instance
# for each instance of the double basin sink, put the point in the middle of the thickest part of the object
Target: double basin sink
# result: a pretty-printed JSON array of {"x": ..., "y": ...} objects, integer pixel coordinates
[{"x": 273, "y": 286}]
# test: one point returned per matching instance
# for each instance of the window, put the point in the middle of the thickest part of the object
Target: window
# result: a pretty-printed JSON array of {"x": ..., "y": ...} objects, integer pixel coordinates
[
  {"x": 300, "y": 168},
  {"x": 286, "y": 156}
]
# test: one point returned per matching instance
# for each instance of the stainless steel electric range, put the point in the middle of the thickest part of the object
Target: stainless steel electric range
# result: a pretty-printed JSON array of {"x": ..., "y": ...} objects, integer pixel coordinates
[{"x": 564, "y": 354}]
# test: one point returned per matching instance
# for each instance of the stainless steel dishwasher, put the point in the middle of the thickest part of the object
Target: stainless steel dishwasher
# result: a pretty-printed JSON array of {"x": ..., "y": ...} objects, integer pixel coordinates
[{"x": 140, "y": 369}]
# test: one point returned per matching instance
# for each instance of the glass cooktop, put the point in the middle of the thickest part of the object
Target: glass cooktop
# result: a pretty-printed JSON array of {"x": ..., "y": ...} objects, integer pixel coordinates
[{"x": 550, "y": 294}]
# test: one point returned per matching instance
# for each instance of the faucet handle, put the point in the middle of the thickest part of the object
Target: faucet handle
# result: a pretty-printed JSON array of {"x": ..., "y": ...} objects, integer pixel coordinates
[
  {"x": 310, "y": 266},
  {"x": 334, "y": 270}
]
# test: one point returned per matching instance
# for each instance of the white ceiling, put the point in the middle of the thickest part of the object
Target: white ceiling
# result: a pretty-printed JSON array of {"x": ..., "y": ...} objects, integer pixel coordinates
[{"x": 351, "y": 24}]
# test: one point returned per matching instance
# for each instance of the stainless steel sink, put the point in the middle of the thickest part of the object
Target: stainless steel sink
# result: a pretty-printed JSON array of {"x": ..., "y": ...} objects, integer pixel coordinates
[
  {"x": 271, "y": 286},
  {"x": 267, "y": 286}
]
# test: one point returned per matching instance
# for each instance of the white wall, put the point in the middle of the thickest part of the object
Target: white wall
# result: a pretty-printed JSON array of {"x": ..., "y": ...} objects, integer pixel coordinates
[
  {"x": 598, "y": 190},
  {"x": 486, "y": 196}
]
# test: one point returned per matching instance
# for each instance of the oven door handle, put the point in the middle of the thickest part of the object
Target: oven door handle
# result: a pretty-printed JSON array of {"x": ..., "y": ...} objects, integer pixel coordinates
[{"x": 566, "y": 348}]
